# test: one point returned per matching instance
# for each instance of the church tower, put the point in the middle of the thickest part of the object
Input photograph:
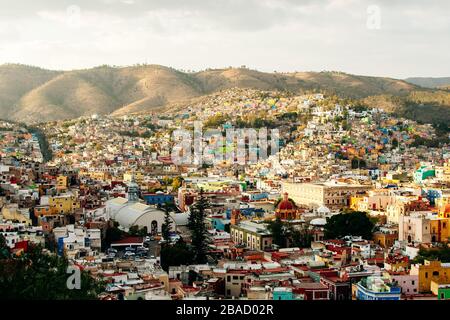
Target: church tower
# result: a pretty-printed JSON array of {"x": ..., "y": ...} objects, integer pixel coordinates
[{"x": 133, "y": 191}]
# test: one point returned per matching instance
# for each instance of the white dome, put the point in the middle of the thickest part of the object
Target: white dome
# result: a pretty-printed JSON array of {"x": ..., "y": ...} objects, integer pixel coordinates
[
  {"x": 181, "y": 219},
  {"x": 323, "y": 210},
  {"x": 318, "y": 222}
]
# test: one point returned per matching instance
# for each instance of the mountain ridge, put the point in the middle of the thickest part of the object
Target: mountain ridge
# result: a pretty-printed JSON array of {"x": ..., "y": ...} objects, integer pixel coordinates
[
  {"x": 430, "y": 82},
  {"x": 32, "y": 94}
]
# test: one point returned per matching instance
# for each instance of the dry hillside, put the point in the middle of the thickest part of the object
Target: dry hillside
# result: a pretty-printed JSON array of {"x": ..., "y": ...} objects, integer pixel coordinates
[{"x": 31, "y": 94}]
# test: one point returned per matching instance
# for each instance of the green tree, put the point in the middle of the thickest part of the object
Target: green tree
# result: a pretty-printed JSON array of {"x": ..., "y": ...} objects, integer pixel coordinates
[
  {"x": 175, "y": 255},
  {"x": 300, "y": 237},
  {"x": 358, "y": 163},
  {"x": 36, "y": 274},
  {"x": 112, "y": 234},
  {"x": 441, "y": 253},
  {"x": 354, "y": 223},
  {"x": 4, "y": 249},
  {"x": 137, "y": 232},
  {"x": 197, "y": 225},
  {"x": 278, "y": 231},
  {"x": 395, "y": 143},
  {"x": 167, "y": 224},
  {"x": 176, "y": 183}
]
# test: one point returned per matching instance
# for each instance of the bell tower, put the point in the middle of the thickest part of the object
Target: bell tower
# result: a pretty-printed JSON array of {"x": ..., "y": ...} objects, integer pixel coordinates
[{"x": 133, "y": 190}]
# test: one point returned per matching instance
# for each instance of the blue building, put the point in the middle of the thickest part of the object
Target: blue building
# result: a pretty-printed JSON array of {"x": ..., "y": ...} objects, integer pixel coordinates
[
  {"x": 60, "y": 249},
  {"x": 256, "y": 196},
  {"x": 377, "y": 288},
  {"x": 432, "y": 195},
  {"x": 283, "y": 293},
  {"x": 247, "y": 212},
  {"x": 158, "y": 198},
  {"x": 219, "y": 223}
]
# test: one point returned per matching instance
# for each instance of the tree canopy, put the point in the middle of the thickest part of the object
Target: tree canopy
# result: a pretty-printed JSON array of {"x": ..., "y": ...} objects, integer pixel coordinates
[
  {"x": 441, "y": 254},
  {"x": 175, "y": 254},
  {"x": 355, "y": 223},
  {"x": 285, "y": 234},
  {"x": 37, "y": 275},
  {"x": 197, "y": 225}
]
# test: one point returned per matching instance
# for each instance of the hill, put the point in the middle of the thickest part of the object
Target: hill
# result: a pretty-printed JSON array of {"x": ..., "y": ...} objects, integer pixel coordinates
[
  {"x": 16, "y": 81},
  {"x": 443, "y": 82},
  {"x": 31, "y": 94}
]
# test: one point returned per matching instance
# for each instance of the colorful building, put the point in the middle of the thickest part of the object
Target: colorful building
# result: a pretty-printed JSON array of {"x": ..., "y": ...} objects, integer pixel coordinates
[
  {"x": 158, "y": 198},
  {"x": 423, "y": 227},
  {"x": 441, "y": 290},
  {"x": 63, "y": 204},
  {"x": 377, "y": 288},
  {"x": 431, "y": 271},
  {"x": 62, "y": 182},
  {"x": 251, "y": 234}
]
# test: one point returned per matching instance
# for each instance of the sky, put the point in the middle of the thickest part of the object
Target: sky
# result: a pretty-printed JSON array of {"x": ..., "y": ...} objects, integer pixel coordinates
[{"x": 394, "y": 38}]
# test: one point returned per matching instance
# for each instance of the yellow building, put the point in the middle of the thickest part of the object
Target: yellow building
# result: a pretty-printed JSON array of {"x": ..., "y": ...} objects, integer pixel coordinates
[
  {"x": 128, "y": 176},
  {"x": 62, "y": 182},
  {"x": 12, "y": 212},
  {"x": 423, "y": 228},
  {"x": 443, "y": 205},
  {"x": 443, "y": 173},
  {"x": 395, "y": 210},
  {"x": 431, "y": 271},
  {"x": 355, "y": 201},
  {"x": 332, "y": 194},
  {"x": 95, "y": 175},
  {"x": 63, "y": 204}
]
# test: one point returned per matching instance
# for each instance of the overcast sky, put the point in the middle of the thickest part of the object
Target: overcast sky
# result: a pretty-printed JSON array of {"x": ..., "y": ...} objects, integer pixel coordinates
[{"x": 381, "y": 37}]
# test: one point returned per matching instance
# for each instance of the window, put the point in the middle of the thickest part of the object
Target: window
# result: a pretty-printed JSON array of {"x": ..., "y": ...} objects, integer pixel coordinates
[
  {"x": 426, "y": 274},
  {"x": 435, "y": 273}
]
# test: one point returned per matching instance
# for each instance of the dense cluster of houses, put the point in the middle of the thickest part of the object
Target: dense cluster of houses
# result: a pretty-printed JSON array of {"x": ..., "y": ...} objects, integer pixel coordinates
[{"x": 111, "y": 173}]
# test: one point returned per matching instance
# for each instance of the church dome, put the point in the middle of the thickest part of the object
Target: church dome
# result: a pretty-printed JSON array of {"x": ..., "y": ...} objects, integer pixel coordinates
[
  {"x": 323, "y": 210},
  {"x": 318, "y": 222},
  {"x": 285, "y": 204}
]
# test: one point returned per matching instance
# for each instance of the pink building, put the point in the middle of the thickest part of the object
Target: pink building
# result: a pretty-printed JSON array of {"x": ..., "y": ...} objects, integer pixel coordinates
[{"x": 408, "y": 283}]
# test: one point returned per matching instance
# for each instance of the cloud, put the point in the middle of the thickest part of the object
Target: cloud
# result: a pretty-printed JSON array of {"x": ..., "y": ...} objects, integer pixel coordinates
[{"x": 282, "y": 35}]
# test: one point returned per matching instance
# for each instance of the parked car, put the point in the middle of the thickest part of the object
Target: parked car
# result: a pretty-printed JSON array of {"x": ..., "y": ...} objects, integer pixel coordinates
[
  {"x": 141, "y": 254},
  {"x": 130, "y": 249},
  {"x": 129, "y": 254}
]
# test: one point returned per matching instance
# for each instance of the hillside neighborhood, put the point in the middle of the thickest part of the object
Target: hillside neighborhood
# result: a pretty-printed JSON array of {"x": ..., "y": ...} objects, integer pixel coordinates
[{"x": 354, "y": 205}]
